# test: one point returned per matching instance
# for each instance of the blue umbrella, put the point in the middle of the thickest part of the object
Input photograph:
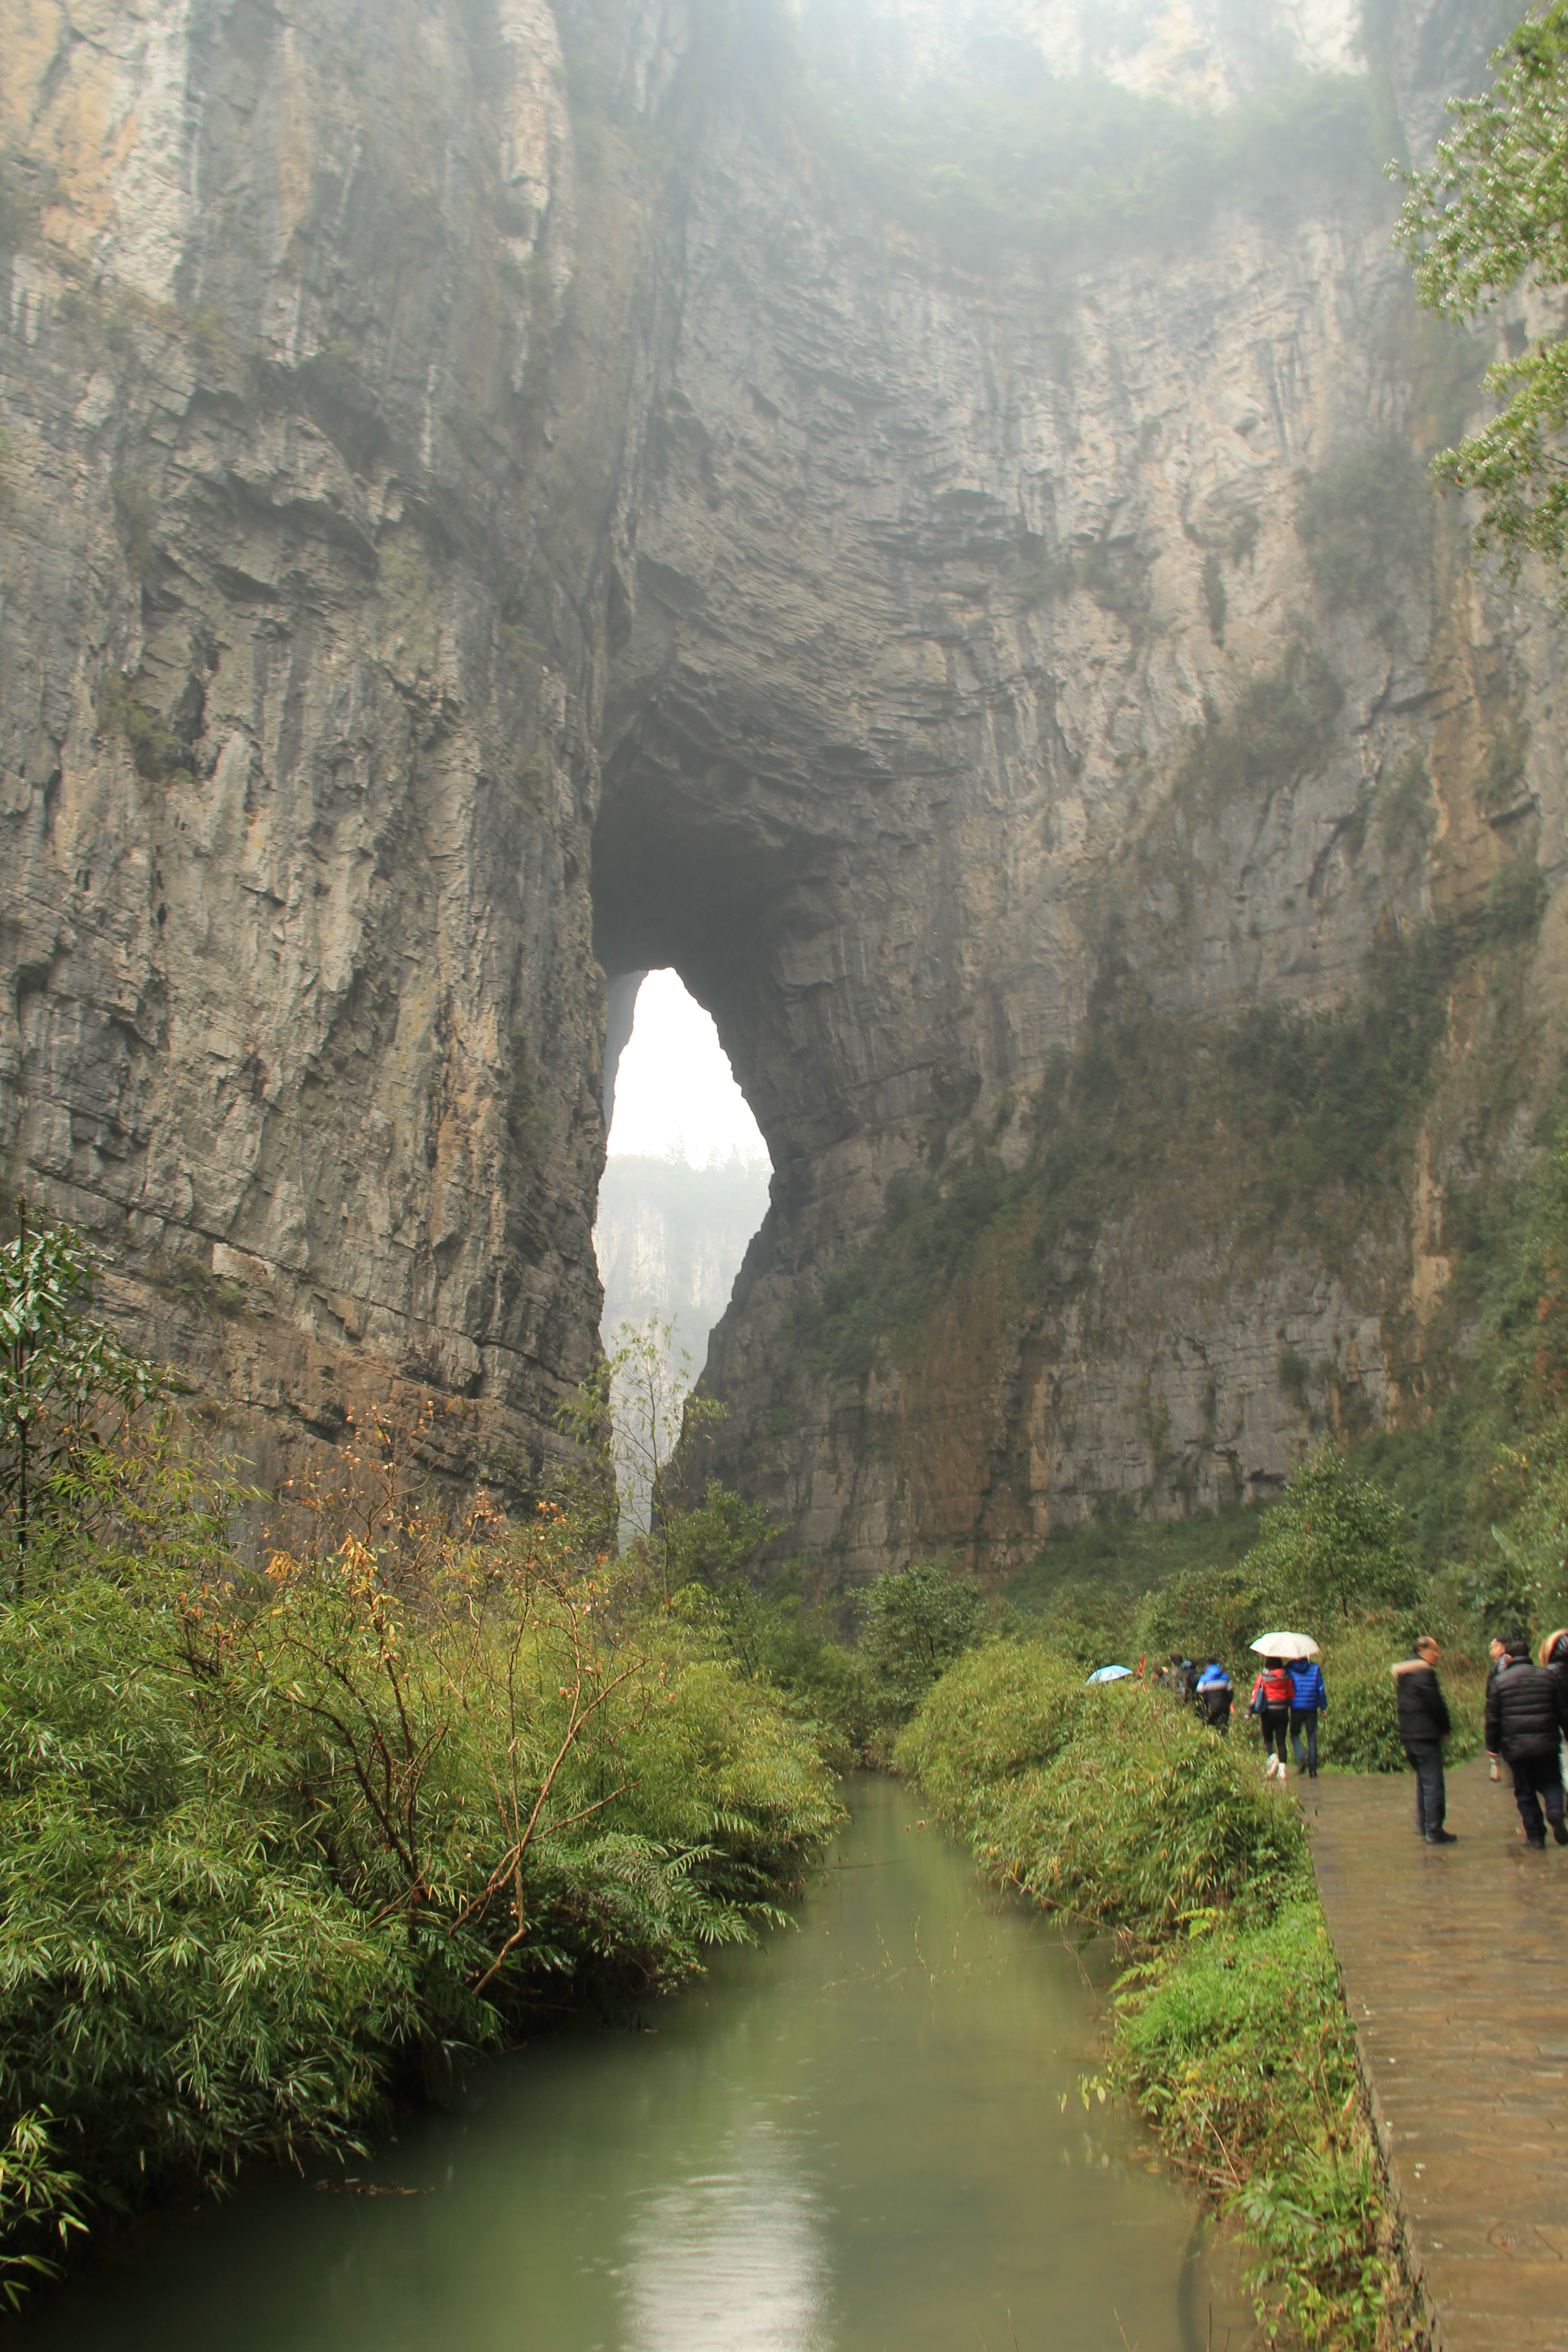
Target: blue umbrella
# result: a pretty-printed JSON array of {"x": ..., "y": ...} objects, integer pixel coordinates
[{"x": 1111, "y": 1674}]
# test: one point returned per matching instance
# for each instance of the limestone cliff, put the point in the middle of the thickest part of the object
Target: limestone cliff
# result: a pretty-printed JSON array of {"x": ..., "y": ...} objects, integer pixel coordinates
[{"x": 497, "y": 498}]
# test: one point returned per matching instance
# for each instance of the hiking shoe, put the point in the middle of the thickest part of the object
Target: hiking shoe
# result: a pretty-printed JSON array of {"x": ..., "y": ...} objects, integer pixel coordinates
[
  {"x": 1441, "y": 1837},
  {"x": 1560, "y": 1829}
]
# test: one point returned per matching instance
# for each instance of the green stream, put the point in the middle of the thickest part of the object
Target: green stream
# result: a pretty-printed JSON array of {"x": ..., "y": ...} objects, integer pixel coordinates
[{"x": 852, "y": 2140}]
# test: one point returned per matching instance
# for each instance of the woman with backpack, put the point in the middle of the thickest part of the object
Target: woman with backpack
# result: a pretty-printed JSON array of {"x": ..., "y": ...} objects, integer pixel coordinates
[{"x": 1272, "y": 1696}]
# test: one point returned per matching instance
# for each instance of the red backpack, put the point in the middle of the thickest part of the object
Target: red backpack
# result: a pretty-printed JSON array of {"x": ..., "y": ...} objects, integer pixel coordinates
[{"x": 1275, "y": 1687}]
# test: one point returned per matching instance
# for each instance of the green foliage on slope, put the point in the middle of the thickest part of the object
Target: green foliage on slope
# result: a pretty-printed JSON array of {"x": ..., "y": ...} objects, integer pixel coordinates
[
  {"x": 1364, "y": 520},
  {"x": 1005, "y": 153},
  {"x": 274, "y": 1843},
  {"x": 1312, "y": 1113}
]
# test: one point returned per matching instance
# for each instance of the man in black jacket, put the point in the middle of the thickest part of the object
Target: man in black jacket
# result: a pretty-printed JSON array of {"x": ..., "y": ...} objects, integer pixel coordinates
[
  {"x": 1525, "y": 1707},
  {"x": 1424, "y": 1725}
]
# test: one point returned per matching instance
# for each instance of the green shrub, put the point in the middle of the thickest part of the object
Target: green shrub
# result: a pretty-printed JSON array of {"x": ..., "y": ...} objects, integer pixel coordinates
[
  {"x": 136, "y": 513},
  {"x": 1360, "y": 1731},
  {"x": 159, "y": 755},
  {"x": 996, "y": 1713},
  {"x": 181, "y": 1982},
  {"x": 1243, "y": 2043},
  {"x": 1334, "y": 1541},
  {"x": 1363, "y": 520},
  {"x": 271, "y": 1843},
  {"x": 1210, "y": 1613},
  {"x": 1013, "y": 156},
  {"x": 1316, "y": 1111},
  {"x": 527, "y": 1113},
  {"x": 915, "y": 1621},
  {"x": 1241, "y": 2015},
  {"x": 1146, "y": 1820},
  {"x": 39, "y": 2205},
  {"x": 1111, "y": 1803},
  {"x": 1279, "y": 730},
  {"x": 1516, "y": 901}
]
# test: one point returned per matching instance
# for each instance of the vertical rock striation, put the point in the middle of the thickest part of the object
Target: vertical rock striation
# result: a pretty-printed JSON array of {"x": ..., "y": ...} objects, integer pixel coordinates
[{"x": 493, "y": 504}]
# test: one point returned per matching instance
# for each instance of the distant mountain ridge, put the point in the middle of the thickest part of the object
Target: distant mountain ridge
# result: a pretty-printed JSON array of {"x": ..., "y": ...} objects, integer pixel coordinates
[{"x": 670, "y": 1239}]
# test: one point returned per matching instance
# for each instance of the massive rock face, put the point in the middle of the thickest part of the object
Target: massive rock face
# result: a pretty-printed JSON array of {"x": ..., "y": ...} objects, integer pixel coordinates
[{"x": 489, "y": 509}]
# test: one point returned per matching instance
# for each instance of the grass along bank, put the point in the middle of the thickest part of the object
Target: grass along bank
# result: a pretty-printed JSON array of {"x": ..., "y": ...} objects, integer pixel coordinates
[
  {"x": 1228, "y": 2025},
  {"x": 281, "y": 1847}
]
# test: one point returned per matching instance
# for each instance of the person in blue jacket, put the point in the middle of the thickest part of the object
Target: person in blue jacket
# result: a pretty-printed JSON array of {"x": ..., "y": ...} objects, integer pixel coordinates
[
  {"x": 1310, "y": 1702},
  {"x": 1215, "y": 1696}
]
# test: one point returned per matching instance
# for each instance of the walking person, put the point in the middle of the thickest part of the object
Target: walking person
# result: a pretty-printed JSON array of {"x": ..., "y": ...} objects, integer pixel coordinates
[
  {"x": 1424, "y": 1725},
  {"x": 1497, "y": 1652},
  {"x": 1524, "y": 1726},
  {"x": 1309, "y": 1700},
  {"x": 1271, "y": 1702},
  {"x": 1215, "y": 1697},
  {"x": 1554, "y": 1658}
]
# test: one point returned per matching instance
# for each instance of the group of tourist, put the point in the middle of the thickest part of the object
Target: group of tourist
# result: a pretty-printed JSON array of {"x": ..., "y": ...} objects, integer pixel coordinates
[
  {"x": 1526, "y": 1724},
  {"x": 1287, "y": 1699}
]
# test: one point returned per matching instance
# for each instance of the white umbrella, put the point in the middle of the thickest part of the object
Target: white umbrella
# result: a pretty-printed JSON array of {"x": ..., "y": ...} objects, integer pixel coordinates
[
  {"x": 1111, "y": 1674},
  {"x": 1287, "y": 1645}
]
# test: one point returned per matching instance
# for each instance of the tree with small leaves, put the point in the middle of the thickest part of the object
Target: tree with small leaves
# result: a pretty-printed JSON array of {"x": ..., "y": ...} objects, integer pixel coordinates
[
  {"x": 1489, "y": 216},
  {"x": 60, "y": 1370}
]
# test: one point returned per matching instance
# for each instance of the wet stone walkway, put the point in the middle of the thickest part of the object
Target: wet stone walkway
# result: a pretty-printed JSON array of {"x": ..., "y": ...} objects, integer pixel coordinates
[{"x": 1455, "y": 1965}]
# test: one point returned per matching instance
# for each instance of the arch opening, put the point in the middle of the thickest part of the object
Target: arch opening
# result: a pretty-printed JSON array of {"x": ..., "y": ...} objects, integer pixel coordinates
[{"x": 685, "y": 1189}]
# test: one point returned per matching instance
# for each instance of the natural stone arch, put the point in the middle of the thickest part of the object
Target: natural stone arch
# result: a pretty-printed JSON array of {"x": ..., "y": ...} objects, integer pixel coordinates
[{"x": 565, "y": 527}]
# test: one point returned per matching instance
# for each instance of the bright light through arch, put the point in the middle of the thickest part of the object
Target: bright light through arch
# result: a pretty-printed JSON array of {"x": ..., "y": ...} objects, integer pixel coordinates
[{"x": 674, "y": 1092}]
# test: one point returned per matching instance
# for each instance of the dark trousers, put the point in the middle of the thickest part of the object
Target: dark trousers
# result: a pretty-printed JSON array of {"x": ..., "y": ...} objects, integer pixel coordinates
[
  {"x": 1537, "y": 1781},
  {"x": 1431, "y": 1796},
  {"x": 1305, "y": 1719},
  {"x": 1275, "y": 1722}
]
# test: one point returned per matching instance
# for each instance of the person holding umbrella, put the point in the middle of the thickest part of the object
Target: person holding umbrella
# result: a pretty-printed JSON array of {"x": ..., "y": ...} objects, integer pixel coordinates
[
  {"x": 1274, "y": 1694},
  {"x": 1271, "y": 1702}
]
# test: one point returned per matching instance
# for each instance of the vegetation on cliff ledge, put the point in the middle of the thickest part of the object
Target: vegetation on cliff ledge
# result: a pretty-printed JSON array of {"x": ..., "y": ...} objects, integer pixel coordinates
[
  {"x": 1001, "y": 153},
  {"x": 1277, "y": 1127}
]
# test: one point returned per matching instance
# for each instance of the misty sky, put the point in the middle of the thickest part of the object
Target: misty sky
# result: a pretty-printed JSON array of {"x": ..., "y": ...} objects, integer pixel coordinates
[{"x": 675, "y": 1089}]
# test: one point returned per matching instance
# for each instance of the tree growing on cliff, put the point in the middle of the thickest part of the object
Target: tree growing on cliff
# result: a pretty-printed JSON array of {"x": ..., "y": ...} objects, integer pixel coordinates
[
  {"x": 1334, "y": 1544},
  {"x": 1490, "y": 216}
]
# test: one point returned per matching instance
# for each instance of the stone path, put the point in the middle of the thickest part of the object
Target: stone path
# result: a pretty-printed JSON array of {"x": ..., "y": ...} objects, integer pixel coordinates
[{"x": 1455, "y": 1965}]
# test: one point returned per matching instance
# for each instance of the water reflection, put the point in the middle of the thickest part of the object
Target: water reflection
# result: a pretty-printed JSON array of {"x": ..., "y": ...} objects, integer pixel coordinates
[
  {"x": 737, "y": 2257},
  {"x": 865, "y": 2138}
]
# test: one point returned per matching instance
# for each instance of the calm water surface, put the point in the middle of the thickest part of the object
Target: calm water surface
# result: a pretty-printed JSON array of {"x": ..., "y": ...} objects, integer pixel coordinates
[{"x": 850, "y": 2141}]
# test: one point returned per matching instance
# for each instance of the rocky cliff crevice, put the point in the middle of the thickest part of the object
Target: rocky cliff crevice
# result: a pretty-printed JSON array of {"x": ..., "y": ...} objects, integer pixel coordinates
[{"x": 493, "y": 502}]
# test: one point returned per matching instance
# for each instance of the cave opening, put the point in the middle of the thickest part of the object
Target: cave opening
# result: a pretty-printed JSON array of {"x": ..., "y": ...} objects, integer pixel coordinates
[
  {"x": 724, "y": 878},
  {"x": 684, "y": 1190}
]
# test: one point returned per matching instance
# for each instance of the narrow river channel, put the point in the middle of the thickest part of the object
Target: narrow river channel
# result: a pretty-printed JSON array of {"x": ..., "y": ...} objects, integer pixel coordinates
[{"x": 852, "y": 2140}]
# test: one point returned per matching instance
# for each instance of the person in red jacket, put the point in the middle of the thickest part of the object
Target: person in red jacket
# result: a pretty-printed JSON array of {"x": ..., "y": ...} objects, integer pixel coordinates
[{"x": 1271, "y": 1702}]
